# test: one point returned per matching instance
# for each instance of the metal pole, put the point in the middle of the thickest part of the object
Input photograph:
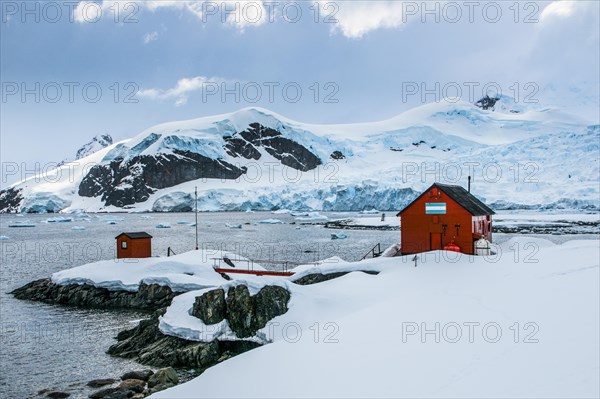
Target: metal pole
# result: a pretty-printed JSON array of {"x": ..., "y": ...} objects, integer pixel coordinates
[{"x": 196, "y": 214}]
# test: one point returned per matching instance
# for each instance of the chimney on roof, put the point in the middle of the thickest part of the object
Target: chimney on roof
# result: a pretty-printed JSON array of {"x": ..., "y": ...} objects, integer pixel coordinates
[{"x": 469, "y": 184}]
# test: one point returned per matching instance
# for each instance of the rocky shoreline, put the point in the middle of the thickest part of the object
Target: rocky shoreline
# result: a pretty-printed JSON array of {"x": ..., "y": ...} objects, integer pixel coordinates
[
  {"x": 179, "y": 359},
  {"x": 147, "y": 297}
]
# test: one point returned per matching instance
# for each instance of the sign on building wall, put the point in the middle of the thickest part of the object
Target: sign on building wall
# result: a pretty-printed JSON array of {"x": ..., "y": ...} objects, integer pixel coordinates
[{"x": 435, "y": 208}]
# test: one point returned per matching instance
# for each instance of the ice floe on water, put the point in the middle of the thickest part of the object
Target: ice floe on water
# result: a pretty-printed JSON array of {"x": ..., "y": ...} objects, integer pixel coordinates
[{"x": 270, "y": 221}]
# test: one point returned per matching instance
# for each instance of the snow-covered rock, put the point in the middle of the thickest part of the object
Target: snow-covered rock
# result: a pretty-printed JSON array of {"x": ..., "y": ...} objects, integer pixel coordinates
[{"x": 96, "y": 144}]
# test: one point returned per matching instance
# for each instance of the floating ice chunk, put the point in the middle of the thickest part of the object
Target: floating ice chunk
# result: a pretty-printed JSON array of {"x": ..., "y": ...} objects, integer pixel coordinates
[
  {"x": 26, "y": 223},
  {"x": 312, "y": 217},
  {"x": 185, "y": 222},
  {"x": 78, "y": 228},
  {"x": 281, "y": 211},
  {"x": 233, "y": 226},
  {"x": 4, "y": 238},
  {"x": 370, "y": 212},
  {"x": 338, "y": 236},
  {"x": 271, "y": 221},
  {"x": 163, "y": 226},
  {"x": 59, "y": 219}
]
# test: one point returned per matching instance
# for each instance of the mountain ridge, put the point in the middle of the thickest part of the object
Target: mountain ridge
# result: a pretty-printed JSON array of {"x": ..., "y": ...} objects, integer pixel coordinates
[{"x": 255, "y": 158}]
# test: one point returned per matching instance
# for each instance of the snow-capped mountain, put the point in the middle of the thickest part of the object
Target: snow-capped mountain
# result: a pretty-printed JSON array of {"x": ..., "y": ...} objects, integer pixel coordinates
[
  {"x": 96, "y": 144},
  {"x": 517, "y": 155}
]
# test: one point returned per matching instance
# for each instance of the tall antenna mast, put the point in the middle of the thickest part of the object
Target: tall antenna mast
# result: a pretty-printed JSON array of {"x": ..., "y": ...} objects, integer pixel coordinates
[{"x": 196, "y": 214}]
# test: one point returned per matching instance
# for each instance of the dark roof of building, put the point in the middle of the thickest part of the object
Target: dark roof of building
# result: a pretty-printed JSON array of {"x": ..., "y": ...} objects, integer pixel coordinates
[
  {"x": 464, "y": 198},
  {"x": 134, "y": 235}
]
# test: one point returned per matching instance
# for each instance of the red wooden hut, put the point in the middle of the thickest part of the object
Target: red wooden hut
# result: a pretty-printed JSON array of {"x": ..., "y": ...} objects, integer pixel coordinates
[
  {"x": 444, "y": 217},
  {"x": 134, "y": 245}
]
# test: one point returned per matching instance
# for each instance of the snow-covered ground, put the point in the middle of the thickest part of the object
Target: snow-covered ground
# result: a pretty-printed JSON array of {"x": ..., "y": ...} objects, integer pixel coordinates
[
  {"x": 524, "y": 323},
  {"x": 184, "y": 272}
]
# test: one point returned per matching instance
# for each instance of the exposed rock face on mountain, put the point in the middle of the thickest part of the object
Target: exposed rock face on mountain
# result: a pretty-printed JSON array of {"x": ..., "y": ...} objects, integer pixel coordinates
[
  {"x": 10, "y": 200},
  {"x": 245, "y": 144},
  {"x": 127, "y": 179},
  {"x": 486, "y": 102},
  {"x": 256, "y": 159},
  {"x": 122, "y": 183}
]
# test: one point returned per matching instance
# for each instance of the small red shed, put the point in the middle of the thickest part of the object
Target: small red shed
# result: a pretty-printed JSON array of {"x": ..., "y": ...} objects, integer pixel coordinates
[
  {"x": 444, "y": 217},
  {"x": 134, "y": 245}
]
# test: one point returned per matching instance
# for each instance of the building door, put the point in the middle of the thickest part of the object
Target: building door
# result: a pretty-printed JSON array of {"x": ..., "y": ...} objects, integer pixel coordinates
[{"x": 435, "y": 241}]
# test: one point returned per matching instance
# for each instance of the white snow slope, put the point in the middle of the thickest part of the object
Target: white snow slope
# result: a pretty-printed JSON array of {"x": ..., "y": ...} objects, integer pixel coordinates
[
  {"x": 521, "y": 324},
  {"x": 517, "y": 155}
]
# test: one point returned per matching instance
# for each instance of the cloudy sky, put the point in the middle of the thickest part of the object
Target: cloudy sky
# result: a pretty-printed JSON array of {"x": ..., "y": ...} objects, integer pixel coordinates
[{"x": 72, "y": 70}]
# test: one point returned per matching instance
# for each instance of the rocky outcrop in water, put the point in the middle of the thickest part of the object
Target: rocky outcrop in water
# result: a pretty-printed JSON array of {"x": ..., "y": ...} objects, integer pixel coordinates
[
  {"x": 148, "y": 345},
  {"x": 148, "y": 296}
]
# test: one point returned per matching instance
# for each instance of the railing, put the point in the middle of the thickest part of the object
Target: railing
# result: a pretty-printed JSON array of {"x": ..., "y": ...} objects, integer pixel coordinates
[{"x": 375, "y": 252}]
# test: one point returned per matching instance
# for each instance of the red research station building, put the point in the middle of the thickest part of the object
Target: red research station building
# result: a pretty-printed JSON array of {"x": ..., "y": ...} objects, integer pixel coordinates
[
  {"x": 134, "y": 245},
  {"x": 444, "y": 217}
]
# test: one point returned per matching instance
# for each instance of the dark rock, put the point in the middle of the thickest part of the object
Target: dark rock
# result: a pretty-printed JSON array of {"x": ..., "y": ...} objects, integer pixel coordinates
[
  {"x": 245, "y": 144},
  {"x": 210, "y": 307},
  {"x": 240, "y": 311},
  {"x": 320, "y": 277},
  {"x": 137, "y": 374},
  {"x": 237, "y": 146},
  {"x": 43, "y": 391},
  {"x": 102, "y": 393},
  {"x": 10, "y": 200},
  {"x": 120, "y": 394},
  {"x": 101, "y": 382},
  {"x": 487, "y": 102},
  {"x": 337, "y": 155},
  {"x": 133, "y": 385},
  {"x": 271, "y": 301},
  {"x": 58, "y": 395},
  {"x": 148, "y": 345},
  {"x": 126, "y": 182},
  {"x": 163, "y": 376},
  {"x": 246, "y": 314},
  {"x": 148, "y": 296}
]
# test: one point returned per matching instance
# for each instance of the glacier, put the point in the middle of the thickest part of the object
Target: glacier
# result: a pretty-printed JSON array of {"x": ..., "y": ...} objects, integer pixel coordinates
[{"x": 520, "y": 156}]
